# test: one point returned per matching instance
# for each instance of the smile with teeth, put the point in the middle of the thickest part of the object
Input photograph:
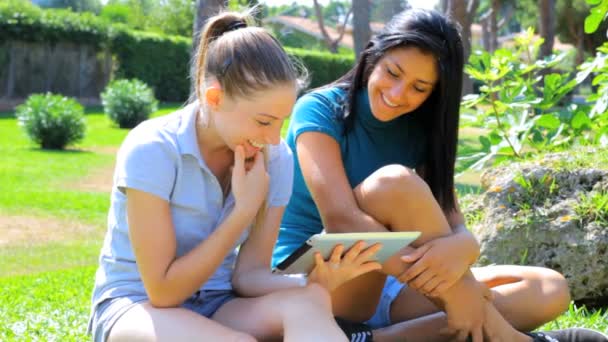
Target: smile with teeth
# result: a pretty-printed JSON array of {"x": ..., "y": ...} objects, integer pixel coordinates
[
  {"x": 255, "y": 144},
  {"x": 388, "y": 103}
]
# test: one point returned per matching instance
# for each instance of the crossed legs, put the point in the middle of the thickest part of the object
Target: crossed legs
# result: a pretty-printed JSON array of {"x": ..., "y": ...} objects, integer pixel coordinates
[
  {"x": 301, "y": 314},
  {"x": 526, "y": 297}
]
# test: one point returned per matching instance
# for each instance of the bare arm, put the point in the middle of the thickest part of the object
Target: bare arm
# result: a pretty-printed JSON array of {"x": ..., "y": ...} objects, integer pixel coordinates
[
  {"x": 169, "y": 280},
  {"x": 321, "y": 162},
  {"x": 252, "y": 276},
  {"x": 460, "y": 231}
]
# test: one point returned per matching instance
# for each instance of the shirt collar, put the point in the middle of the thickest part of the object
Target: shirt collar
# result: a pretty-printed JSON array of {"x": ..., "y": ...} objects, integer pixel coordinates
[{"x": 186, "y": 133}]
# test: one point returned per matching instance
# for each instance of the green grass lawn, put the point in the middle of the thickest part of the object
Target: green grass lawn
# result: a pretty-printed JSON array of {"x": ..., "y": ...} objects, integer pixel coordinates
[{"x": 47, "y": 276}]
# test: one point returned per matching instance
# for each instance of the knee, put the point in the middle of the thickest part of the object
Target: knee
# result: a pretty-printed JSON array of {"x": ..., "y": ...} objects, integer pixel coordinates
[
  {"x": 398, "y": 183},
  {"x": 555, "y": 292},
  {"x": 312, "y": 295}
]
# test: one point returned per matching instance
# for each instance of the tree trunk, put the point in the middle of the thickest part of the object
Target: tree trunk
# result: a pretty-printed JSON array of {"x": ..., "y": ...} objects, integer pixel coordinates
[
  {"x": 494, "y": 25},
  {"x": 332, "y": 44},
  {"x": 463, "y": 12},
  {"x": 546, "y": 9},
  {"x": 204, "y": 10},
  {"x": 361, "y": 30}
]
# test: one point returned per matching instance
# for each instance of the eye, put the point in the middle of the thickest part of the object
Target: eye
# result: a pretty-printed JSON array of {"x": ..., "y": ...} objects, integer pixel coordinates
[
  {"x": 263, "y": 123},
  {"x": 420, "y": 90},
  {"x": 390, "y": 72}
]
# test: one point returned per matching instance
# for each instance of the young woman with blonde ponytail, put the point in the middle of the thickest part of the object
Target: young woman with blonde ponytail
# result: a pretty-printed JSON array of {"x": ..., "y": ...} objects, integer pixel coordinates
[{"x": 191, "y": 187}]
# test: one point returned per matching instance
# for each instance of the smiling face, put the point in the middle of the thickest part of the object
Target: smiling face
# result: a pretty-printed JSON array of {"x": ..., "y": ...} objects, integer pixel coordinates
[
  {"x": 256, "y": 120},
  {"x": 400, "y": 82}
]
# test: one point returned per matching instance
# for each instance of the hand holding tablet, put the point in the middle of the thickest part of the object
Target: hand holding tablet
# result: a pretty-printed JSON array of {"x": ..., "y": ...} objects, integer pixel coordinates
[{"x": 302, "y": 260}]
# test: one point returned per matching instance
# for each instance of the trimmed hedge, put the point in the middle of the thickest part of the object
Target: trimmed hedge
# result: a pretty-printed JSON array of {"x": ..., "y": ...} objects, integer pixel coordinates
[
  {"x": 161, "y": 61},
  {"x": 324, "y": 67}
]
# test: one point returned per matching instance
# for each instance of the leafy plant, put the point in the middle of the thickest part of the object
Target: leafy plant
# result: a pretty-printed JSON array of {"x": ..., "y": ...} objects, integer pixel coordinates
[
  {"x": 593, "y": 207},
  {"x": 128, "y": 102},
  {"x": 52, "y": 121},
  {"x": 519, "y": 102},
  {"x": 598, "y": 66}
]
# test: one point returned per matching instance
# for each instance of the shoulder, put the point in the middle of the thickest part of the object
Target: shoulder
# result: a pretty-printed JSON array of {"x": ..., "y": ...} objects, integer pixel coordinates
[
  {"x": 329, "y": 97},
  {"x": 157, "y": 134}
]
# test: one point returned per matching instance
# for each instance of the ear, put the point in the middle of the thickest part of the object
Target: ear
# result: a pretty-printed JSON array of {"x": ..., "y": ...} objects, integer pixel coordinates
[{"x": 214, "y": 95}]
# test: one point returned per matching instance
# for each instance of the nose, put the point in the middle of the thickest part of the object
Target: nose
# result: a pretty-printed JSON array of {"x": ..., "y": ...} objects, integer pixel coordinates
[{"x": 397, "y": 93}]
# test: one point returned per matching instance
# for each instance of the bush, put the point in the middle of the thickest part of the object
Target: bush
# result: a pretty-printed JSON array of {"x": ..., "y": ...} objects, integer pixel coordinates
[
  {"x": 52, "y": 121},
  {"x": 128, "y": 102},
  {"x": 324, "y": 67}
]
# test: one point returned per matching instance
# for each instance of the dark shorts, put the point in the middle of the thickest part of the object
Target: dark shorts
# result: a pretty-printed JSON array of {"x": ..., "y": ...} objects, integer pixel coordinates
[{"x": 107, "y": 313}]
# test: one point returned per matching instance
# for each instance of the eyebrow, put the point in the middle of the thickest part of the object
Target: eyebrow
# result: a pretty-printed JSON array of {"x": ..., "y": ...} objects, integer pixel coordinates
[
  {"x": 272, "y": 116},
  {"x": 403, "y": 72}
]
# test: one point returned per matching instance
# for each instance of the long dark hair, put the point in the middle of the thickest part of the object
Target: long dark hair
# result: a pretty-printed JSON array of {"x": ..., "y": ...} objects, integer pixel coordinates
[{"x": 432, "y": 33}]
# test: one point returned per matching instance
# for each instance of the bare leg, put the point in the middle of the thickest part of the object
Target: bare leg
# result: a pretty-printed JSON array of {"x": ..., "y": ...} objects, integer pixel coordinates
[
  {"x": 144, "y": 322},
  {"x": 301, "y": 314},
  {"x": 391, "y": 196},
  {"x": 398, "y": 198}
]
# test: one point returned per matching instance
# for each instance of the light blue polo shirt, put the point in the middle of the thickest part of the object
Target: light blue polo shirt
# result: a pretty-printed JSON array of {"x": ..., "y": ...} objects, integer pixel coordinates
[{"x": 161, "y": 157}]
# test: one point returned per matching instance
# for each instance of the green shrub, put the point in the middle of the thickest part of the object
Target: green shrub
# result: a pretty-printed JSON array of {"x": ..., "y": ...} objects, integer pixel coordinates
[
  {"x": 52, "y": 121},
  {"x": 161, "y": 61},
  {"x": 128, "y": 102},
  {"x": 324, "y": 67}
]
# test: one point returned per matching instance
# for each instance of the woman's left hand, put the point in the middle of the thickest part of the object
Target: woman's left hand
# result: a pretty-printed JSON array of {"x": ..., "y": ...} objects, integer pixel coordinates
[
  {"x": 437, "y": 265},
  {"x": 340, "y": 269}
]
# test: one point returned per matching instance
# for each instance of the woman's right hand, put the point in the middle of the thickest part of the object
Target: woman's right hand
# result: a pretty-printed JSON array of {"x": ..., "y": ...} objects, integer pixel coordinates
[
  {"x": 249, "y": 186},
  {"x": 339, "y": 269}
]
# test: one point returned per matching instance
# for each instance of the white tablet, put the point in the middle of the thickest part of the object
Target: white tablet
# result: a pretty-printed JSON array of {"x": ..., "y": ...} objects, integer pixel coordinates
[{"x": 302, "y": 259}]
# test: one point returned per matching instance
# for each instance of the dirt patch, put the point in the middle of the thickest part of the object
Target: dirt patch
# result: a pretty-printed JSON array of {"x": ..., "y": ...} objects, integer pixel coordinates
[
  {"x": 32, "y": 230},
  {"x": 111, "y": 150},
  {"x": 99, "y": 180}
]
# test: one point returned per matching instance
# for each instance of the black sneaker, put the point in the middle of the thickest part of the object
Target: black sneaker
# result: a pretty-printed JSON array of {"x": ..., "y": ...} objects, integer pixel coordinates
[
  {"x": 355, "y": 332},
  {"x": 569, "y": 335}
]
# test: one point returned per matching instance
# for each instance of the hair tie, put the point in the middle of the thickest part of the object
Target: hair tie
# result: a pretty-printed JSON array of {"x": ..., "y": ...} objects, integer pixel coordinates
[{"x": 235, "y": 25}]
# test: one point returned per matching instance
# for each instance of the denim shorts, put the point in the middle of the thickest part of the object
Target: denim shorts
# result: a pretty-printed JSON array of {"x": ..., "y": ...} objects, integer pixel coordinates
[
  {"x": 107, "y": 313},
  {"x": 382, "y": 316}
]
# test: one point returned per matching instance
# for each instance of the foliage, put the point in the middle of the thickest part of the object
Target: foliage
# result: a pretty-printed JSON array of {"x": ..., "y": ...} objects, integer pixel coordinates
[
  {"x": 52, "y": 121},
  {"x": 161, "y": 61},
  {"x": 520, "y": 103},
  {"x": 597, "y": 15},
  {"x": 20, "y": 20},
  {"x": 128, "y": 102},
  {"x": 598, "y": 66},
  {"x": 158, "y": 60},
  {"x": 592, "y": 207},
  {"x": 117, "y": 13},
  {"x": 324, "y": 67},
  {"x": 175, "y": 17},
  {"x": 93, "y": 6}
]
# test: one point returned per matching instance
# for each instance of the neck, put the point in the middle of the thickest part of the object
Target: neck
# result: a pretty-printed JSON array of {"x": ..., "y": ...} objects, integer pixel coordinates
[{"x": 209, "y": 141}]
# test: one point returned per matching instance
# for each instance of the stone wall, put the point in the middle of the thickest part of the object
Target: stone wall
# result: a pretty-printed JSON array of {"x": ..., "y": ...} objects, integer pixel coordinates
[{"x": 80, "y": 71}]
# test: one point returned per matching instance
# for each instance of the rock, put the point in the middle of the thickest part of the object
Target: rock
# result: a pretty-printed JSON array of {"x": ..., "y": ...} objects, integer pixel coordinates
[{"x": 534, "y": 213}]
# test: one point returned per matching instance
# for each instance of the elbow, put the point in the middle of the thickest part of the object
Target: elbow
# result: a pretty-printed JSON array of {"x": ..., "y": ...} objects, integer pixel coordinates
[
  {"x": 163, "y": 299},
  {"x": 162, "y": 302}
]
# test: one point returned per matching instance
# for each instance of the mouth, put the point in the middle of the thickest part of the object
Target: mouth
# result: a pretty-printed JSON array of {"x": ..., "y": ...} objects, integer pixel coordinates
[
  {"x": 388, "y": 102},
  {"x": 256, "y": 144}
]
